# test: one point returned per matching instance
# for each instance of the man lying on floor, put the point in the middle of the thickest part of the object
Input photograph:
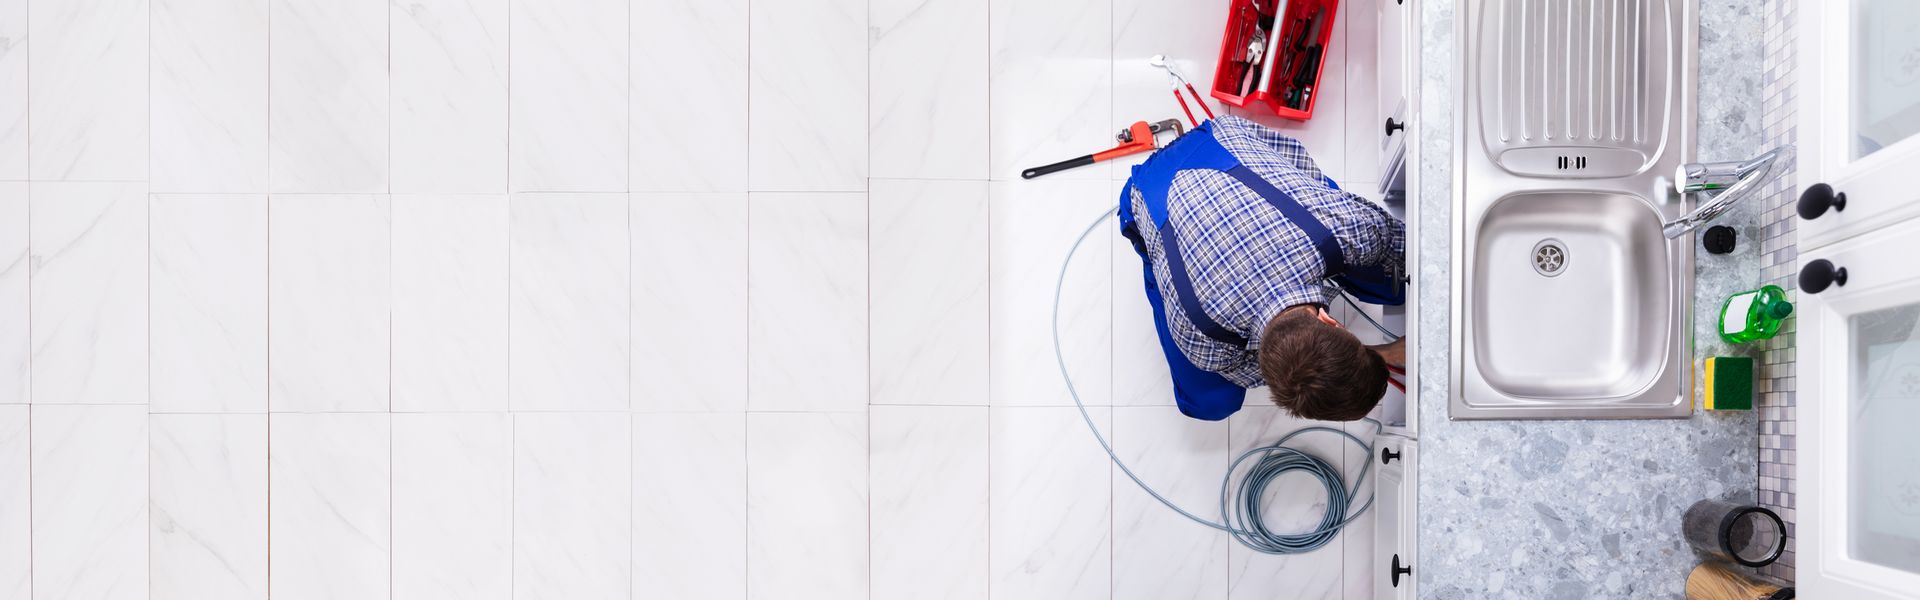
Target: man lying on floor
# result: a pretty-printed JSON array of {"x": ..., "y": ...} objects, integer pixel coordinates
[{"x": 1243, "y": 240}]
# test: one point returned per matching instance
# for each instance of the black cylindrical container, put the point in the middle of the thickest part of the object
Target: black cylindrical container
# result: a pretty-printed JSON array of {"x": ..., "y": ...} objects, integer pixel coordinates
[{"x": 1749, "y": 535}]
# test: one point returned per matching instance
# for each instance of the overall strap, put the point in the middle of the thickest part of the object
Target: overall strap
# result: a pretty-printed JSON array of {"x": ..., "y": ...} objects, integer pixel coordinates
[
  {"x": 1190, "y": 301},
  {"x": 1323, "y": 238}
]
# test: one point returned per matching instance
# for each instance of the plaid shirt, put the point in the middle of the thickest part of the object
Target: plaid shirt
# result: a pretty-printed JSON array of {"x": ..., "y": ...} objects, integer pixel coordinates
[{"x": 1246, "y": 261}]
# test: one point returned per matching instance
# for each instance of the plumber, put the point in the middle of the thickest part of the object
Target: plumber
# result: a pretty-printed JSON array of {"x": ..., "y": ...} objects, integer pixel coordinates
[{"x": 1244, "y": 243}]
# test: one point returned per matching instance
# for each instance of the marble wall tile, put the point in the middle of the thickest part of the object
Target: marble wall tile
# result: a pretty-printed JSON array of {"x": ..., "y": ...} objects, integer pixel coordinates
[
  {"x": 689, "y": 109},
  {"x": 808, "y": 107},
  {"x": 329, "y": 302},
  {"x": 330, "y": 481},
  {"x": 1033, "y": 225},
  {"x": 807, "y": 505},
  {"x": 13, "y": 89},
  {"x": 449, "y": 302},
  {"x": 209, "y": 96},
  {"x": 928, "y": 69},
  {"x": 449, "y": 78},
  {"x": 572, "y": 506},
  {"x": 16, "y": 341},
  {"x": 208, "y": 274},
  {"x": 689, "y": 316},
  {"x": 929, "y": 478},
  {"x": 88, "y": 292},
  {"x": 1051, "y": 505},
  {"x": 89, "y": 502},
  {"x": 807, "y": 315},
  {"x": 929, "y": 275},
  {"x": 1156, "y": 552},
  {"x": 208, "y": 497},
  {"x": 1051, "y": 84},
  {"x": 453, "y": 506},
  {"x": 568, "y": 96},
  {"x": 16, "y": 502},
  {"x": 87, "y": 88},
  {"x": 1291, "y": 508},
  {"x": 690, "y": 505},
  {"x": 328, "y": 80},
  {"x": 569, "y": 301}
]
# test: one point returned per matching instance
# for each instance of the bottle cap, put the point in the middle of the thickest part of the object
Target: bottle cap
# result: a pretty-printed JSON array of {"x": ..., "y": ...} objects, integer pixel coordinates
[{"x": 1780, "y": 309}]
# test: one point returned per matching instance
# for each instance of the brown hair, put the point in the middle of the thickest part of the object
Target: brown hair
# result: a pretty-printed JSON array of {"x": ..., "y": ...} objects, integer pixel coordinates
[{"x": 1318, "y": 371}]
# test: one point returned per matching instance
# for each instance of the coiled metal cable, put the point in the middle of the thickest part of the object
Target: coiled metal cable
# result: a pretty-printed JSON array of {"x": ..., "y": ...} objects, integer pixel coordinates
[{"x": 1241, "y": 514}]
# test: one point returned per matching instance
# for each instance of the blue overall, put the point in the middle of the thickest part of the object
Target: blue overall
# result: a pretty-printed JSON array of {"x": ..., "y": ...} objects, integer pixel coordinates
[{"x": 1200, "y": 393}]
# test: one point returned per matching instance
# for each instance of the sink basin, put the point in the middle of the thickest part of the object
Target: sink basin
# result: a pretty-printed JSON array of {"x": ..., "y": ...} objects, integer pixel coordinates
[
  {"x": 1571, "y": 297},
  {"x": 1569, "y": 302}
]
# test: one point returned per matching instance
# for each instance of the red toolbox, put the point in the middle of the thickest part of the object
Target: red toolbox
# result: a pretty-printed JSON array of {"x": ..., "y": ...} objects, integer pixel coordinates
[{"x": 1293, "y": 36}]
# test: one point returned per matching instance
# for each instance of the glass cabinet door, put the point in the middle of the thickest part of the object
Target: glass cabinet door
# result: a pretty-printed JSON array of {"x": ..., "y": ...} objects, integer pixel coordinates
[
  {"x": 1884, "y": 75},
  {"x": 1883, "y": 521},
  {"x": 1858, "y": 84}
]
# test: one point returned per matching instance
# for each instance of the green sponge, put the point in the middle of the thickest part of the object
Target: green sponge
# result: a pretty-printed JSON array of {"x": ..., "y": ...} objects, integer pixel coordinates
[{"x": 1729, "y": 382}]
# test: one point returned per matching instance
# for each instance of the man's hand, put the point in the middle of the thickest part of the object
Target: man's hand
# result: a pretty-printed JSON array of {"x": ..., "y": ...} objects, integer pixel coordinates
[{"x": 1395, "y": 353}]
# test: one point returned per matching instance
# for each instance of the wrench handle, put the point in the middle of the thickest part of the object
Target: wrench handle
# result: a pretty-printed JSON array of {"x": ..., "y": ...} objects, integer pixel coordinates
[{"x": 1057, "y": 167}]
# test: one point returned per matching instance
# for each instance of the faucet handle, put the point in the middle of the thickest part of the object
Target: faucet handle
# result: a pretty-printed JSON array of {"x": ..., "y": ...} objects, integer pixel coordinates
[{"x": 1817, "y": 198}]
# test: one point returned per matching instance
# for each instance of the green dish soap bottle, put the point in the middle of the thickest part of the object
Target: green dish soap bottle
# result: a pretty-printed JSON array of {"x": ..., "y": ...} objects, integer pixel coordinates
[{"x": 1754, "y": 315}]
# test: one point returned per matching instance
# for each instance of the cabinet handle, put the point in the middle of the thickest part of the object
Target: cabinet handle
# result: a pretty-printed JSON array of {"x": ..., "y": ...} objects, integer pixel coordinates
[
  {"x": 1387, "y": 455},
  {"x": 1393, "y": 125},
  {"x": 1399, "y": 570},
  {"x": 1817, "y": 199},
  {"x": 1819, "y": 273}
]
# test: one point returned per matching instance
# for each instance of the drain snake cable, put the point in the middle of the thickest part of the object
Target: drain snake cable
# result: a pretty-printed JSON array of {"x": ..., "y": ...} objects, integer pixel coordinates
[{"x": 1241, "y": 513}]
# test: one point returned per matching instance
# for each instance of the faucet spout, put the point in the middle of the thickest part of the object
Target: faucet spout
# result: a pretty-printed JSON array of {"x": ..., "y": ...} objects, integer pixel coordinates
[{"x": 1724, "y": 184}]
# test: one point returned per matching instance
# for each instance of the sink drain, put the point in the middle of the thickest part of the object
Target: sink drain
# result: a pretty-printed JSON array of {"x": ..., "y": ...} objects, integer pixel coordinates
[{"x": 1549, "y": 257}]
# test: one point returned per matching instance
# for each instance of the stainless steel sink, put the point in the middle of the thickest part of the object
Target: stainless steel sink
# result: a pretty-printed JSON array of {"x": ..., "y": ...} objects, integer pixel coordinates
[{"x": 1568, "y": 300}]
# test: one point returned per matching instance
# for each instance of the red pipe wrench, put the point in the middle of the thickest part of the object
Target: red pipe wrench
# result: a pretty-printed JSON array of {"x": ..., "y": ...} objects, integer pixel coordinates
[{"x": 1135, "y": 139}]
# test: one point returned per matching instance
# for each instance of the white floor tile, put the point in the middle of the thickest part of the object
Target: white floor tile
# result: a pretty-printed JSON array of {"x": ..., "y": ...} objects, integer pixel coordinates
[
  {"x": 1294, "y": 504},
  {"x": 1365, "y": 129},
  {"x": 807, "y": 313},
  {"x": 690, "y": 505},
  {"x": 209, "y": 96},
  {"x": 689, "y": 108},
  {"x": 807, "y": 505},
  {"x": 808, "y": 106},
  {"x": 572, "y": 509},
  {"x": 1189, "y": 36},
  {"x": 87, "y": 86},
  {"x": 1357, "y": 565},
  {"x": 331, "y": 506},
  {"x": 569, "y": 96},
  {"x": 209, "y": 303},
  {"x": 689, "y": 302},
  {"x": 449, "y": 302},
  {"x": 1052, "y": 85},
  {"x": 449, "y": 99},
  {"x": 1140, "y": 374},
  {"x": 13, "y": 93},
  {"x": 89, "y": 502},
  {"x": 569, "y": 294},
  {"x": 929, "y": 278},
  {"x": 16, "y": 501},
  {"x": 928, "y": 68},
  {"x": 1034, "y": 224},
  {"x": 329, "y": 302},
  {"x": 1324, "y": 135},
  {"x": 1156, "y": 552},
  {"x": 329, "y": 114},
  {"x": 452, "y": 506},
  {"x": 16, "y": 341},
  {"x": 1051, "y": 505},
  {"x": 208, "y": 536},
  {"x": 929, "y": 478},
  {"x": 88, "y": 289}
]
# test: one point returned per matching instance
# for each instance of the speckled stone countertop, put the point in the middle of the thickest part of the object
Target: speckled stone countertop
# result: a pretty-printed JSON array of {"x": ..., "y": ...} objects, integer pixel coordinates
[{"x": 1579, "y": 509}]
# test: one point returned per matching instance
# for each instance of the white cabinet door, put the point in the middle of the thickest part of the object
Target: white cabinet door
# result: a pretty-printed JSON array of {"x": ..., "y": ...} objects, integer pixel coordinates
[
  {"x": 1859, "y": 376},
  {"x": 1859, "y": 88},
  {"x": 1391, "y": 97},
  {"x": 1395, "y": 519}
]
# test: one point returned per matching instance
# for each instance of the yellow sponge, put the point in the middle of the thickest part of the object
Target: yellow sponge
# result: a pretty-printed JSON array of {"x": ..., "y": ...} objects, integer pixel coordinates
[{"x": 1728, "y": 381}]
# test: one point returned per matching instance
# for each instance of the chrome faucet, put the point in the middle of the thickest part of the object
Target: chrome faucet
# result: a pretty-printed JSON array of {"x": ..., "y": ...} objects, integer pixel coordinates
[{"x": 1725, "y": 183}]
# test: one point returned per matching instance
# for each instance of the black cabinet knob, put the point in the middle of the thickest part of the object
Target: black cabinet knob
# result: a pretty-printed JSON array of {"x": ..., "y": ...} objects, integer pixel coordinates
[
  {"x": 1817, "y": 199},
  {"x": 1400, "y": 570},
  {"x": 1820, "y": 273},
  {"x": 1387, "y": 455},
  {"x": 1393, "y": 126}
]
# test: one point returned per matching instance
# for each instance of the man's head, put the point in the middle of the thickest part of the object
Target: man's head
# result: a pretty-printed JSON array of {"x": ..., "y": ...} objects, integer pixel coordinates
[{"x": 1317, "y": 369}]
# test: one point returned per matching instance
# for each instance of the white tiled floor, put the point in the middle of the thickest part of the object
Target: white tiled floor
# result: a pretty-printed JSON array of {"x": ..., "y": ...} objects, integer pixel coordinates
[{"x": 602, "y": 299}]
